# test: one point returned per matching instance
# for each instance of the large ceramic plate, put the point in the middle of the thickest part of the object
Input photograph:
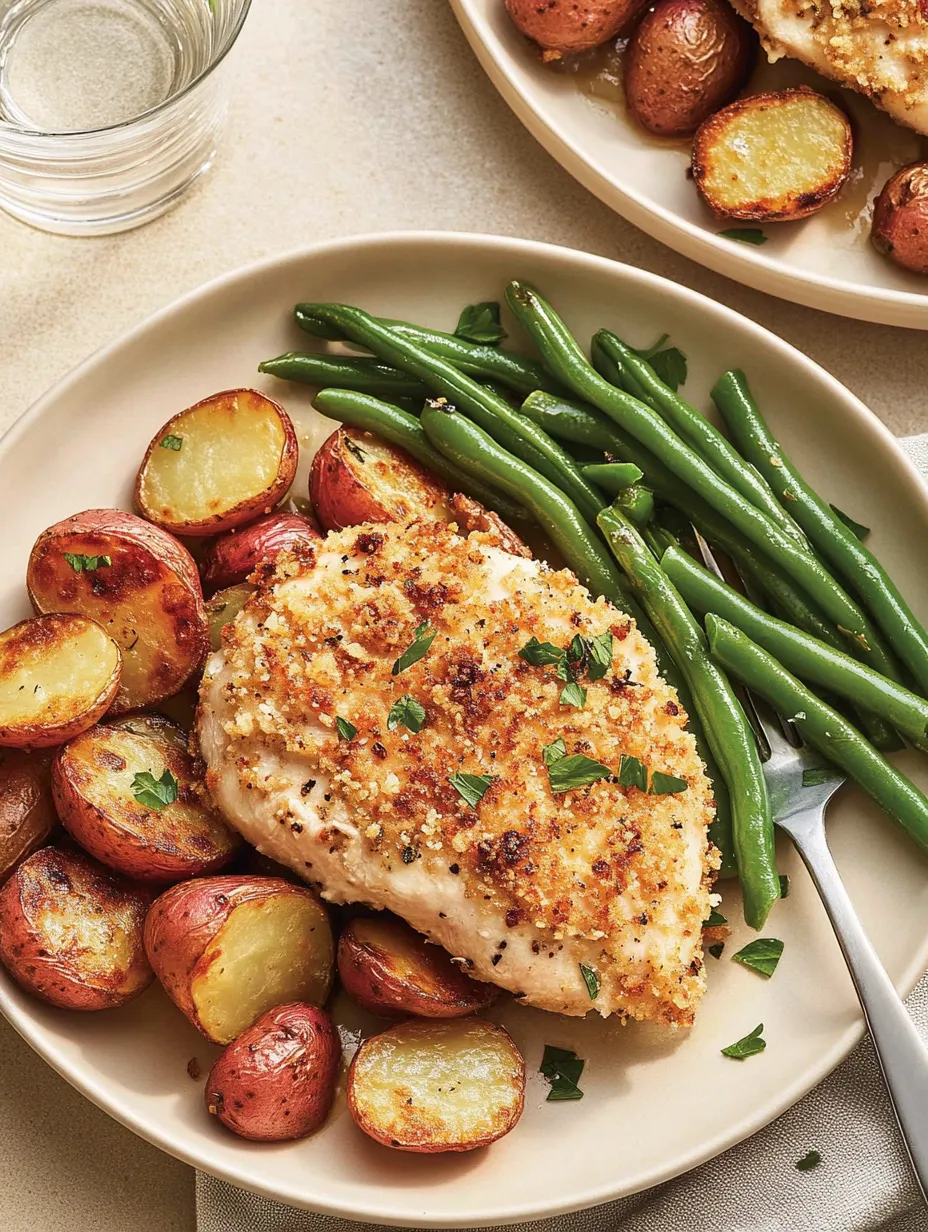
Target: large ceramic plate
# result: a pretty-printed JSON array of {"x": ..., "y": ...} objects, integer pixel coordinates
[
  {"x": 825, "y": 262},
  {"x": 656, "y": 1103}
]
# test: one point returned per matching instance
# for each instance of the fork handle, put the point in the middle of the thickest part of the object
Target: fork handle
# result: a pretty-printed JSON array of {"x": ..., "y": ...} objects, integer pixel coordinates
[{"x": 902, "y": 1055}]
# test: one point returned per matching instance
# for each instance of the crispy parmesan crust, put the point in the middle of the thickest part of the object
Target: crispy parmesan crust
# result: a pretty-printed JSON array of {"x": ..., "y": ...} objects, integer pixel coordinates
[{"x": 602, "y": 867}]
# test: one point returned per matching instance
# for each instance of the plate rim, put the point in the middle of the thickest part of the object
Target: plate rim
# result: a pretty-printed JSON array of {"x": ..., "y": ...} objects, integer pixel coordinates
[
  {"x": 747, "y": 1126},
  {"x": 740, "y": 262}
]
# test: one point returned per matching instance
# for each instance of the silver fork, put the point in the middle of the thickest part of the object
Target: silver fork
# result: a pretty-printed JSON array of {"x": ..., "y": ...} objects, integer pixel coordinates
[{"x": 799, "y": 811}]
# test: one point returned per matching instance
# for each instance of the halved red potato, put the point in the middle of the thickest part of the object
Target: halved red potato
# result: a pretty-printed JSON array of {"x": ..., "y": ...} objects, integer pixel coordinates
[
  {"x": 218, "y": 464},
  {"x": 357, "y": 477},
  {"x": 223, "y": 608},
  {"x": 566, "y": 26},
  {"x": 139, "y": 583},
  {"x": 470, "y": 515},
  {"x": 437, "y": 1086},
  {"x": 71, "y": 932},
  {"x": 99, "y": 784},
  {"x": 389, "y": 969},
  {"x": 227, "y": 949},
  {"x": 233, "y": 557},
  {"x": 58, "y": 675},
  {"x": 276, "y": 1081},
  {"x": 27, "y": 813},
  {"x": 154, "y": 726}
]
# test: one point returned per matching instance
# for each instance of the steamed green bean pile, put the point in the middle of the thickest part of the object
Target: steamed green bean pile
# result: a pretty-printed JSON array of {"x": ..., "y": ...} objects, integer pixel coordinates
[{"x": 620, "y": 471}]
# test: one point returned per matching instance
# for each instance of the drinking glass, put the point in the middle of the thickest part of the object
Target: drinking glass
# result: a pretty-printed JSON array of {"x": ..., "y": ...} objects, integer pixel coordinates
[{"x": 109, "y": 109}]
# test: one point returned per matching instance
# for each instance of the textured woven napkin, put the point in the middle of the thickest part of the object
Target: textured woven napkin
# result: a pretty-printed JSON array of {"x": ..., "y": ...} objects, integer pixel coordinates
[{"x": 862, "y": 1184}]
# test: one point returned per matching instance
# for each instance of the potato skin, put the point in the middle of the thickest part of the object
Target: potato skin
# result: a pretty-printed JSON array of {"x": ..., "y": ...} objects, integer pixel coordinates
[
  {"x": 685, "y": 60},
  {"x": 144, "y": 557},
  {"x": 390, "y": 970},
  {"x": 276, "y": 1082},
  {"x": 356, "y": 477},
  {"x": 184, "y": 920},
  {"x": 243, "y": 511},
  {"x": 231, "y": 558},
  {"x": 900, "y": 218},
  {"x": 150, "y": 845},
  {"x": 564, "y": 26},
  {"x": 49, "y": 899},
  {"x": 27, "y": 813}
]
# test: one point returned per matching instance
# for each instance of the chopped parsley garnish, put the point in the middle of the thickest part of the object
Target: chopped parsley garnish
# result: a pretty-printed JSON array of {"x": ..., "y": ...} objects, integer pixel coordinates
[
  {"x": 761, "y": 955},
  {"x": 748, "y": 1046},
  {"x": 417, "y": 649},
  {"x": 784, "y": 885},
  {"x": 155, "y": 793},
  {"x": 745, "y": 235},
  {"x": 408, "y": 712},
  {"x": 666, "y": 784},
  {"x": 573, "y": 694},
  {"x": 590, "y": 657},
  {"x": 591, "y": 979},
  {"x": 858, "y": 528},
  {"x": 481, "y": 323},
  {"x": 354, "y": 449},
  {"x": 633, "y": 772},
  {"x": 715, "y": 919},
  {"x": 668, "y": 362},
  {"x": 541, "y": 654},
  {"x": 562, "y": 1068},
  {"x": 346, "y": 730},
  {"x": 471, "y": 787},
  {"x": 810, "y": 1160},
  {"x": 554, "y": 751},
  {"x": 86, "y": 564},
  {"x": 599, "y": 656},
  {"x": 716, "y": 950},
  {"x": 815, "y": 776},
  {"x": 577, "y": 770},
  {"x": 172, "y": 442}
]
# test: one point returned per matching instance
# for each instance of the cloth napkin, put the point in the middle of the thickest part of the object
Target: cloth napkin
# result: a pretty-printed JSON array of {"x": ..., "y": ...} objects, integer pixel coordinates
[{"x": 863, "y": 1183}]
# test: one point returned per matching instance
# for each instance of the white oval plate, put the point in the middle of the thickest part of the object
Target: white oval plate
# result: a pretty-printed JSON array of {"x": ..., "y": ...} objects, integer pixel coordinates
[
  {"x": 656, "y": 1103},
  {"x": 824, "y": 262}
]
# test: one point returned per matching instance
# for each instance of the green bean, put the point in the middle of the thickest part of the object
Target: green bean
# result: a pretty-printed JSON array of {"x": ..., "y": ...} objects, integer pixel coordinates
[
  {"x": 400, "y": 428},
  {"x": 821, "y": 727},
  {"x": 516, "y": 372},
  {"x": 510, "y": 429},
  {"x": 345, "y": 372},
  {"x": 570, "y": 365},
  {"x": 727, "y": 729},
  {"x": 811, "y": 660},
  {"x": 612, "y": 477},
  {"x": 637, "y": 503},
  {"x": 828, "y": 534},
  {"x": 703, "y": 436}
]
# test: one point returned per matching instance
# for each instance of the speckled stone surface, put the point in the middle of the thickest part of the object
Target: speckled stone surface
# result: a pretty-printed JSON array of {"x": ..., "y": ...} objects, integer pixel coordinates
[{"x": 347, "y": 117}]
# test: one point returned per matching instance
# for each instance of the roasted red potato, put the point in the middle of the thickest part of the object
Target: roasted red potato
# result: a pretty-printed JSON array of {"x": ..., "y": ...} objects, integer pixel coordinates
[
  {"x": 565, "y": 26},
  {"x": 71, "y": 932},
  {"x": 389, "y": 969},
  {"x": 773, "y": 157},
  {"x": 132, "y": 801},
  {"x": 223, "y": 608},
  {"x": 277, "y": 1080},
  {"x": 58, "y": 675},
  {"x": 219, "y": 464},
  {"x": 233, "y": 557},
  {"x": 437, "y": 1086},
  {"x": 685, "y": 60},
  {"x": 154, "y": 726},
  {"x": 227, "y": 949},
  {"x": 27, "y": 814},
  {"x": 900, "y": 218},
  {"x": 356, "y": 477},
  {"x": 139, "y": 583},
  {"x": 470, "y": 515}
]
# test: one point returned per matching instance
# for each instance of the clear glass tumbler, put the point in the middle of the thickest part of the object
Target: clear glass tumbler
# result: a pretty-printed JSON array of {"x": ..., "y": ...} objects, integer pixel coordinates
[{"x": 109, "y": 109}]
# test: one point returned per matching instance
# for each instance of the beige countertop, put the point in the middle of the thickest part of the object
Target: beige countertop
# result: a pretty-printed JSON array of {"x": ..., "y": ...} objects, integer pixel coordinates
[{"x": 348, "y": 117}]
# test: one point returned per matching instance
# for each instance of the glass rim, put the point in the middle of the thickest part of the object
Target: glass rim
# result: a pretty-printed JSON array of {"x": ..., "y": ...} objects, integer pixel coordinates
[{"x": 41, "y": 133}]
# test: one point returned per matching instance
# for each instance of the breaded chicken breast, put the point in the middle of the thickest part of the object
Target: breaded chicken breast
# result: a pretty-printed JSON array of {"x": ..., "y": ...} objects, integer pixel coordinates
[
  {"x": 878, "y": 47},
  {"x": 546, "y": 893}
]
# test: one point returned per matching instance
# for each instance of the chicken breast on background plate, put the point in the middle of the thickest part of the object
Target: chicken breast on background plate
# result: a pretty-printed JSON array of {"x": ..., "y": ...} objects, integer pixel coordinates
[
  {"x": 878, "y": 47},
  {"x": 525, "y": 885}
]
